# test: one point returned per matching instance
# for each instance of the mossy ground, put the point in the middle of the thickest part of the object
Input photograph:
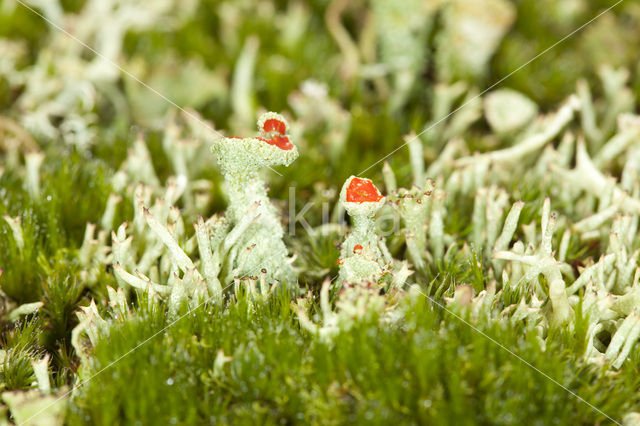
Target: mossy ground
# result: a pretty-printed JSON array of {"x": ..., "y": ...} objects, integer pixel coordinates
[{"x": 432, "y": 369}]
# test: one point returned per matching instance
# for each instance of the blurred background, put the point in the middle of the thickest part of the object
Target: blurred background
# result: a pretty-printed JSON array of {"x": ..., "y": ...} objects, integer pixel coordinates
[{"x": 359, "y": 75}]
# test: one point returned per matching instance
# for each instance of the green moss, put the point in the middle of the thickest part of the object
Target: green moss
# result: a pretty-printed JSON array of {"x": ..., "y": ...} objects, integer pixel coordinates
[
  {"x": 435, "y": 369},
  {"x": 22, "y": 346},
  {"x": 74, "y": 191}
]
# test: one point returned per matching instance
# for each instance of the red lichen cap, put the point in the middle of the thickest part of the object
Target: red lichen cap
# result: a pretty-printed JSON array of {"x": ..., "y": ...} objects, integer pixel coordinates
[
  {"x": 274, "y": 125},
  {"x": 281, "y": 142},
  {"x": 273, "y": 130},
  {"x": 362, "y": 191}
]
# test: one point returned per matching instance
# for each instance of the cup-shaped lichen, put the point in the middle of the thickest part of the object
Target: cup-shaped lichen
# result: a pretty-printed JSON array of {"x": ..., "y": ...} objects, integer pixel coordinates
[
  {"x": 240, "y": 159},
  {"x": 360, "y": 257}
]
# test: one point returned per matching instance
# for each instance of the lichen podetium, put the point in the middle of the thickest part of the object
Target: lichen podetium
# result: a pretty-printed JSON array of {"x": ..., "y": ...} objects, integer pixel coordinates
[
  {"x": 240, "y": 159},
  {"x": 360, "y": 257}
]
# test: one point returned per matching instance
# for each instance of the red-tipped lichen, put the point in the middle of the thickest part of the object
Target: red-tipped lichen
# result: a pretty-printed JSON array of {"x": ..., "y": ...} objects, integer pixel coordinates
[{"x": 362, "y": 191}]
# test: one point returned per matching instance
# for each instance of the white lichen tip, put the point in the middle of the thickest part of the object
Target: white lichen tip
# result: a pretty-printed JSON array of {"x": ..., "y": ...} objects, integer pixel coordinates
[{"x": 361, "y": 197}]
